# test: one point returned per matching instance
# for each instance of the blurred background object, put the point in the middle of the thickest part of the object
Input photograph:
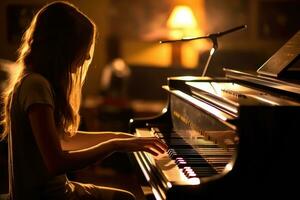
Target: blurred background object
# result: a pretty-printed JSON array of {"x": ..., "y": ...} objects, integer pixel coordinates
[
  {"x": 115, "y": 111},
  {"x": 114, "y": 79}
]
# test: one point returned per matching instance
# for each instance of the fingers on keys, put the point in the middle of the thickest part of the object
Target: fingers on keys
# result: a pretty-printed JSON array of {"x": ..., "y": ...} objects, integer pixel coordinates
[{"x": 154, "y": 145}]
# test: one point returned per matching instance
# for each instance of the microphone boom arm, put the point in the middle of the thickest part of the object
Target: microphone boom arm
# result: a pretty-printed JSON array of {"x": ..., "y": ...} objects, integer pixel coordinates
[
  {"x": 210, "y": 36},
  {"x": 213, "y": 37}
]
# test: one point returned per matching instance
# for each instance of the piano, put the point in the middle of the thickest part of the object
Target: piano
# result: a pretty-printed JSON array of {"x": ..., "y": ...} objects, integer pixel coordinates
[{"x": 234, "y": 136}]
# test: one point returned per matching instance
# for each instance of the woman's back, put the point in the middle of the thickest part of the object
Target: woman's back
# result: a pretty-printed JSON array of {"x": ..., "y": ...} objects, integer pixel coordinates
[{"x": 28, "y": 174}]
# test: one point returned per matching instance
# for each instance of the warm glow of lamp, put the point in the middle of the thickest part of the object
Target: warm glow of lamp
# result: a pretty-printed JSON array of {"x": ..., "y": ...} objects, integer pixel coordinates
[
  {"x": 182, "y": 21},
  {"x": 182, "y": 17}
]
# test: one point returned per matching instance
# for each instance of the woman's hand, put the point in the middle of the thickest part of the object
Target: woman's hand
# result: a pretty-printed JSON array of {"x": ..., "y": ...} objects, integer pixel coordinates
[{"x": 152, "y": 145}]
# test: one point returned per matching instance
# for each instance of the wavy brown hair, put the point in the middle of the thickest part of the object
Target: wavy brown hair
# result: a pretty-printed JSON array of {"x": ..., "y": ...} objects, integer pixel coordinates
[{"x": 57, "y": 41}]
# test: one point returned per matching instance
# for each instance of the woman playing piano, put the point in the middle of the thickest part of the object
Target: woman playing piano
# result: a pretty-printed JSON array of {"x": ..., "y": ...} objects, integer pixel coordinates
[{"x": 41, "y": 116}]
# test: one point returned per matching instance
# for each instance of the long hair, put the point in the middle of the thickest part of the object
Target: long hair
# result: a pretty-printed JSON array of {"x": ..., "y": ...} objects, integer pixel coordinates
[{"x": 57, "y": 41}]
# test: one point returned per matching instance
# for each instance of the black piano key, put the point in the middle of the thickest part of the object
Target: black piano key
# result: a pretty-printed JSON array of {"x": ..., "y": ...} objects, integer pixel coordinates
[
  {"x": 191, "y": 161},
  {"x": 218, "y": 159},
  {"x": 174, "y": 153},
  {"x": 214, "y": 163},
  {"x": 215, "y": 149},
  {"x": 191, "y": 158},
  {"x": 192, "y": 164},
  {"x": 202, "y": 172},
  {"x": 202, "y": 169},
  {"x": 194, "y": 143},
  {"x": 186, "y": 151},
  {"x": 216, "y": 153},
  {"x": 182, "y": 164},
  {"x": 197, "y": 163},
  {"x": 193, "y": 176},
  {"x": 213, "y": 159}
]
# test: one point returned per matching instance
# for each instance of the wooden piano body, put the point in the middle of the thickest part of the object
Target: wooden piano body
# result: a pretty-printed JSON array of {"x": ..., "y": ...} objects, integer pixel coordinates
[{"x": 234, "y": 136}]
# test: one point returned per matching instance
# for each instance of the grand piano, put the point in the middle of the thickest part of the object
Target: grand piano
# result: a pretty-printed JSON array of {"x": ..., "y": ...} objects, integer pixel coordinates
[{"x": 229, "y": 137}]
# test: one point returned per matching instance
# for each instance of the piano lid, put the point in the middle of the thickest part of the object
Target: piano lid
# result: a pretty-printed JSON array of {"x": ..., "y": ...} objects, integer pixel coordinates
[
  {"x": 286, "y": 61},
  {"x": 280, "y": 73}
]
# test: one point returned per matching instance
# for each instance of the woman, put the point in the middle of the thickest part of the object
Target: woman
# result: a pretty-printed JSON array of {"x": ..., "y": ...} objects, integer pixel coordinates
[{"x": 41, "y": 111}]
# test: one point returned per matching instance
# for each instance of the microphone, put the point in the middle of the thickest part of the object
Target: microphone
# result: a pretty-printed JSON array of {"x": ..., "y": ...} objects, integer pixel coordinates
[{"x": 212, "y": 36}]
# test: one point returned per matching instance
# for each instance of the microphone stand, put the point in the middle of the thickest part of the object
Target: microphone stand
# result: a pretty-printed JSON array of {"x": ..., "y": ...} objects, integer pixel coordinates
[{"x": 212, "y": 37}]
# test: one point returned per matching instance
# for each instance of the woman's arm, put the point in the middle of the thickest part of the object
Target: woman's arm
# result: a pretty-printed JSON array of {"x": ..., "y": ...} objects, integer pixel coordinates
[
  {"x": 84, "y": 139},
  {"x": 58, "y": 161}
]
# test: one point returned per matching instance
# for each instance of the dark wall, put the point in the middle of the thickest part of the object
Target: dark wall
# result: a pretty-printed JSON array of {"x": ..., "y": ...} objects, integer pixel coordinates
[{"x": 146, "y": 82}]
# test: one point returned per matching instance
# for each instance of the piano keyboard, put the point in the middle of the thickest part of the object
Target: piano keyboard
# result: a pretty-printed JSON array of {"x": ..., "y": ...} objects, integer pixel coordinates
[{"x": 190, "y": 158}]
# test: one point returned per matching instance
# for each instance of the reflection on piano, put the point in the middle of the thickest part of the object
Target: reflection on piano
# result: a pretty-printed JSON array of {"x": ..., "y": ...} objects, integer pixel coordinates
[{"x": 234, "y": 136}]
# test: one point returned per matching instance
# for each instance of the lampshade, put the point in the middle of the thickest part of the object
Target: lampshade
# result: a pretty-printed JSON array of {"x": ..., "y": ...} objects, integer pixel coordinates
[{"x": 182, "y": 17}]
